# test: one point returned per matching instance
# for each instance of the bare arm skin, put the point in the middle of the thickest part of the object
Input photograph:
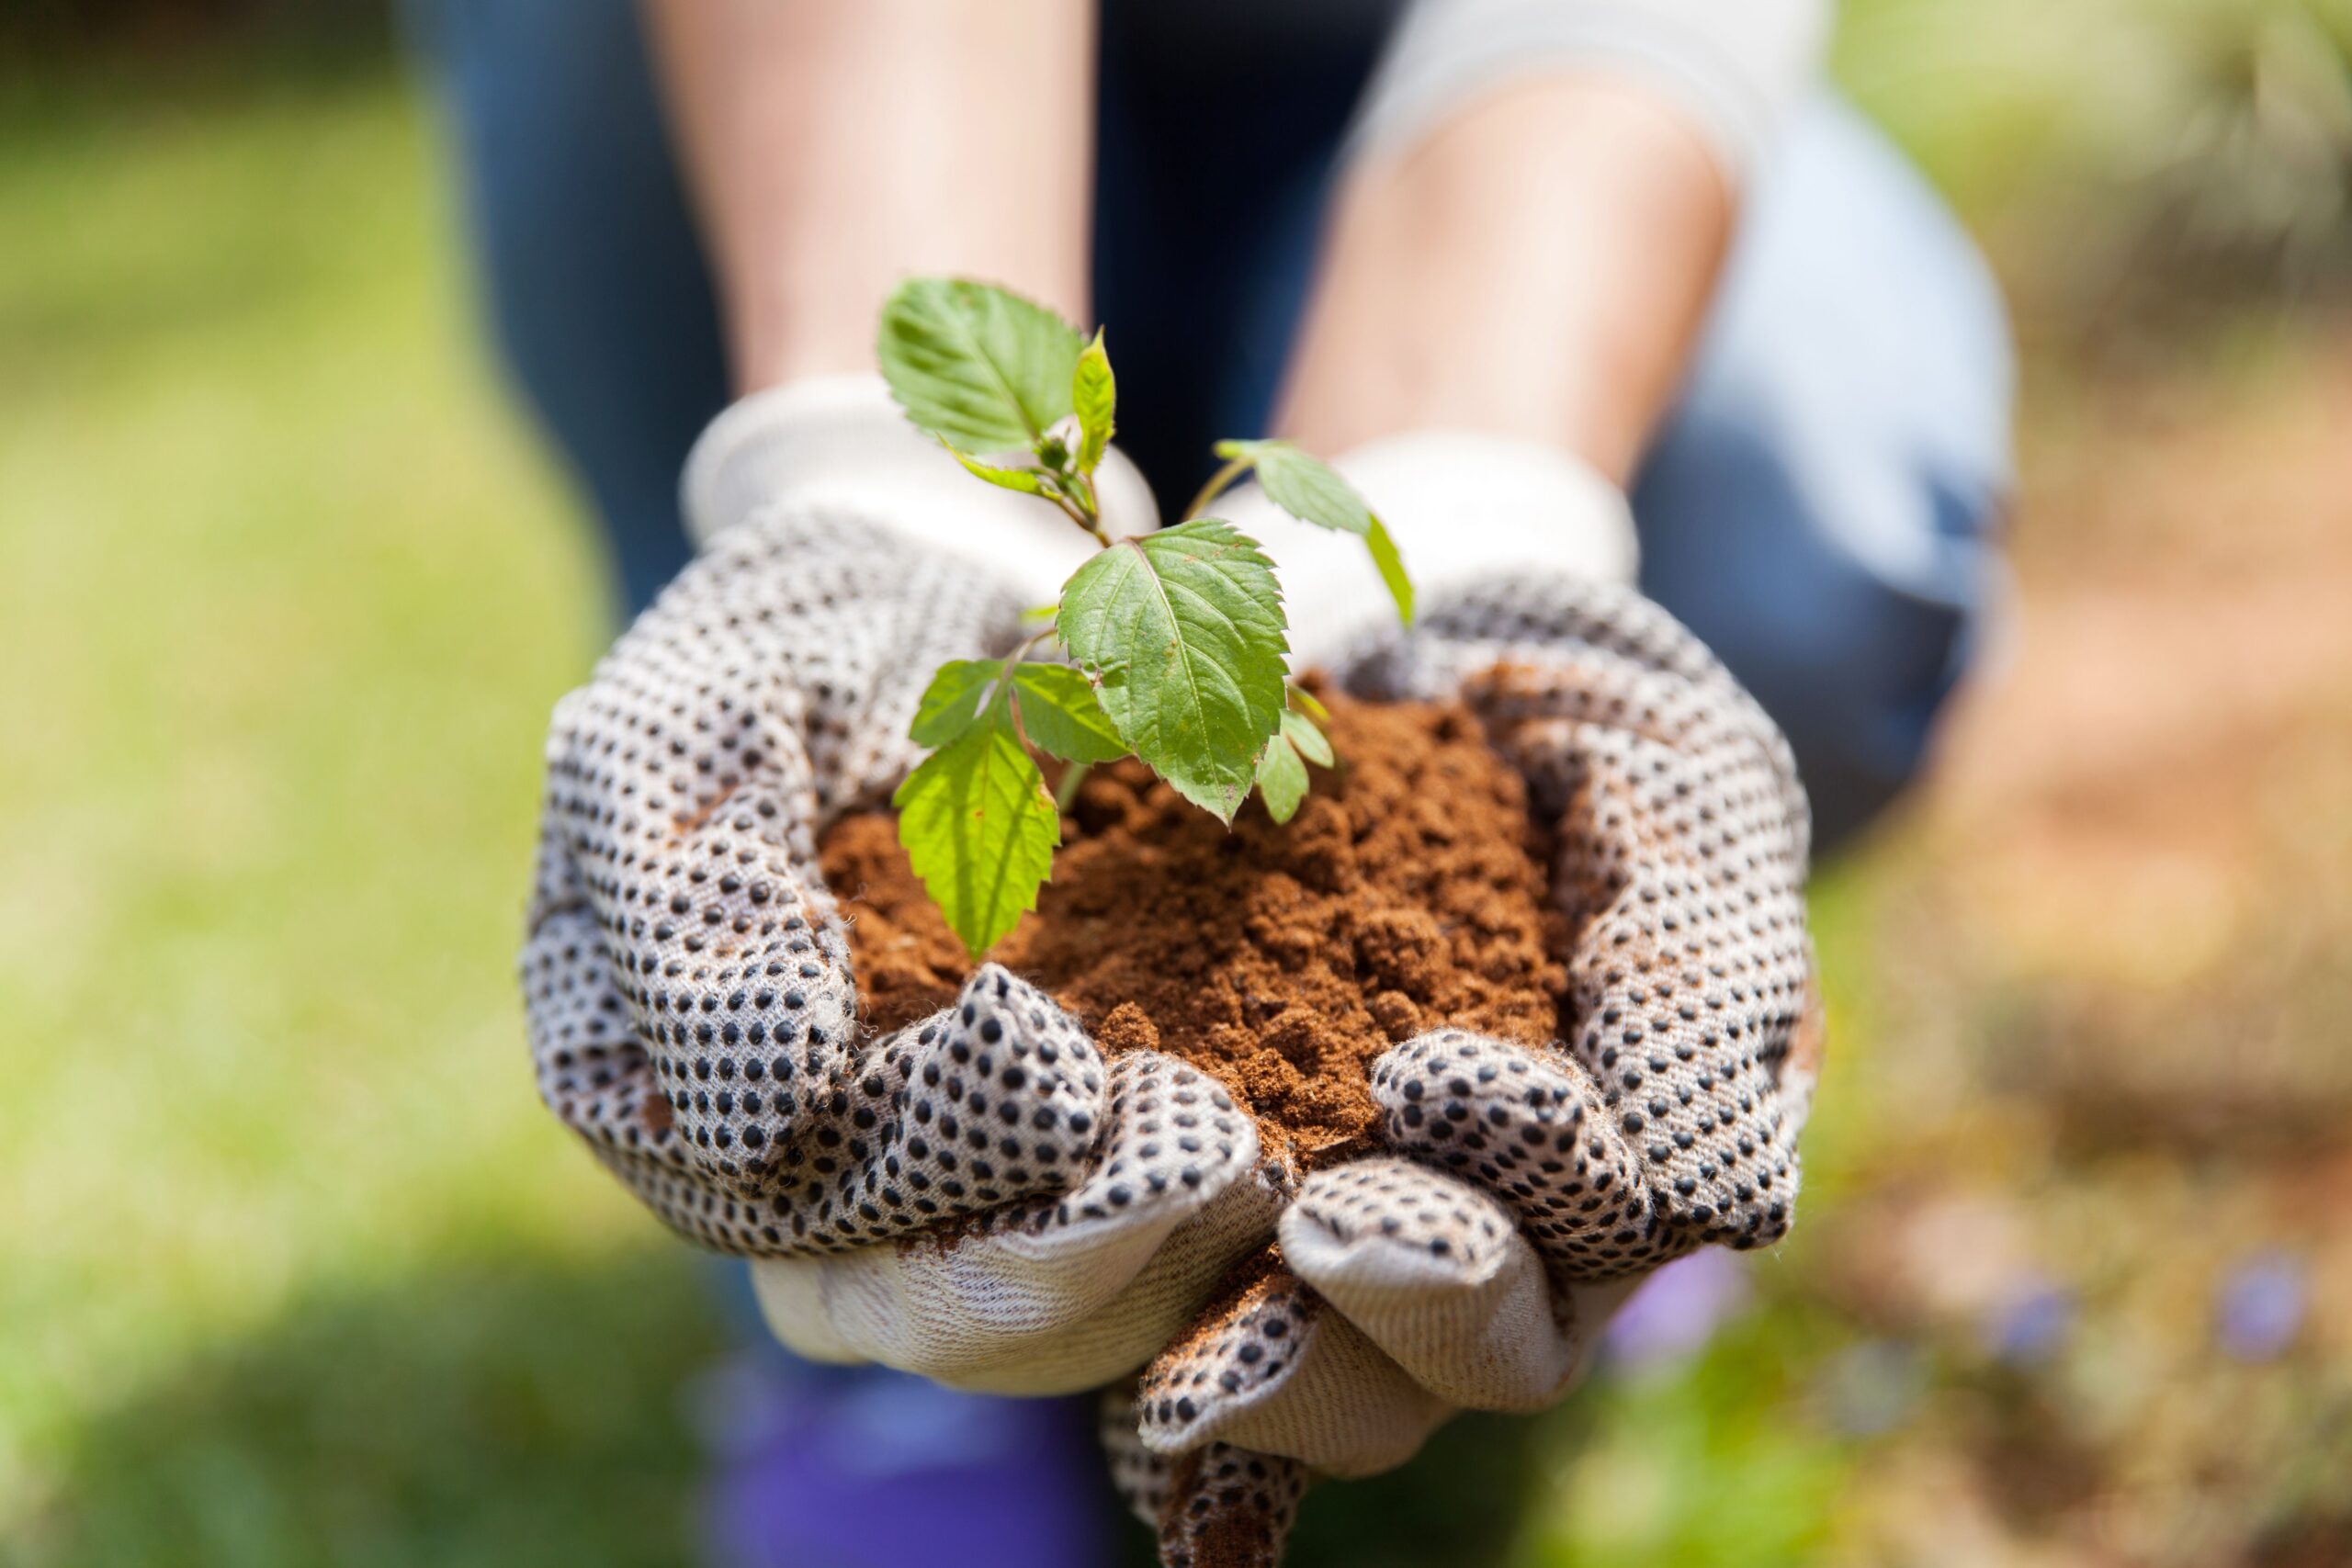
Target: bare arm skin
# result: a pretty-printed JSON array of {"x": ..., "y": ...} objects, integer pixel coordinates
[
  {"x": 836, "y": 146},
  {"x": 1538, "y": 267}
]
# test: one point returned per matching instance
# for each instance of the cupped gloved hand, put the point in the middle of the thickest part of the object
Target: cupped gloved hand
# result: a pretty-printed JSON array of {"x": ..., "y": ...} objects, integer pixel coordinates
[
  {"x": 1520, "y": 1193},
  {"x": 692, "y": 1011}
]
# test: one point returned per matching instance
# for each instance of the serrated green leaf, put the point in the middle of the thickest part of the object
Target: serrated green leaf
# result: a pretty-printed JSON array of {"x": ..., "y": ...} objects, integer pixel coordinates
[
  {"x": 1061, "y": 716},
  {"x": 979, "y": 831},
  {"x": 948, "y": 706},
  {"x": 1310, "y": 742},
  {"x": 1312, "y": 491},
  {"x": 1282, "y": 779},
  {"x": 1029, "y": 481},
  {"x": 978, "y": 367},
  {"x": 1183, "y": 634},
  {"x": 1094, "y": 394}
]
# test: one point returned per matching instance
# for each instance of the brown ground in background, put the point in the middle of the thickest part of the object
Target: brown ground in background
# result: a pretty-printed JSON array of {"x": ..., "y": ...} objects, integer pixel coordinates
[
  {"x": 1409, "y": 891},
  {"x": 2102, "y": 966}
]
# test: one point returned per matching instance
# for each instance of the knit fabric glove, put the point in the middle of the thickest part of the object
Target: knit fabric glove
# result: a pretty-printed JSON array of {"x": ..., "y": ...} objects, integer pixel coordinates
[
  {"x": 692, "y": 1011},
  {"x": 1522, "y": 1192}
]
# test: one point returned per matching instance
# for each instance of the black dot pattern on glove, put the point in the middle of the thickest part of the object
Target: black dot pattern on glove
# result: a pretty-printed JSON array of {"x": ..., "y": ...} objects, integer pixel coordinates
[
  {"x": 1398, "y": 1203},
  {"x": 692, "y": 1011},
  {"x": 1684, "y": 836},
  {"x": 1595, "y": 653},
  {"x": 1237, "y": 1350},
  {"x": 1524, "y": 1127},
  {"x": 996, "y": 1098},
  {"x": 1215, "y": 1508},
  {"x": 1228, "y": 1508},
  {"x": 1174, "y": 1138}
]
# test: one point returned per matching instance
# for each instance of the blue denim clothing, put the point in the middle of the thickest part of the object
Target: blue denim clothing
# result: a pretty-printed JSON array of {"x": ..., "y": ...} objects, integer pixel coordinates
[
  {"x": 1820, "y": 508},
  {"x": 591, "y": 272}
]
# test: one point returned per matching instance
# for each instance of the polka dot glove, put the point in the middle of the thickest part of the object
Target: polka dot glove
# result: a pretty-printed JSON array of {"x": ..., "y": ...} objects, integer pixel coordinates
[
  {"x": 1521, "y": 1193},
  {"x": 981, "y": 1197}
]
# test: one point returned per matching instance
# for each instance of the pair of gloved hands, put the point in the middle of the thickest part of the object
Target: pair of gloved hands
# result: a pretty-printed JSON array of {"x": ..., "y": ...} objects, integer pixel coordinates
[{"x": 985, "y": 1198}]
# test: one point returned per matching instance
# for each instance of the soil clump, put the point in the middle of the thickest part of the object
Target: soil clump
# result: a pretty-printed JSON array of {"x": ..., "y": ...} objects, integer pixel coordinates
[{"x": 1409, "y": 891}]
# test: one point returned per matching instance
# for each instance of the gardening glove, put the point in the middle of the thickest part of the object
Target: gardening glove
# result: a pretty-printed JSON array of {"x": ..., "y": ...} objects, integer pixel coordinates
[
  {"x": 692, "y": 1014},
  {"x": 1521, "y": 1193}
]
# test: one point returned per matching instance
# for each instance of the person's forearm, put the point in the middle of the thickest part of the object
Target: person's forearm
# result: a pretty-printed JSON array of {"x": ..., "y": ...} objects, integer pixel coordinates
[
  {"x": 1538, "y": 267},
  {"x": 836, "y": 146}
]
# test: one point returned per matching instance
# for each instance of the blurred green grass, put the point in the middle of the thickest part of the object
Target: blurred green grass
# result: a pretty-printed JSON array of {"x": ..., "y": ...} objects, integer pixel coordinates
[
  {"x": 297, "y": 1272},
  {"x": 284, "y": 600}
]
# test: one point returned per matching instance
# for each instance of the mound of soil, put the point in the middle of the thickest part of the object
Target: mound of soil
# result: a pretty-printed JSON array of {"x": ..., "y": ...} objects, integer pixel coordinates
[{"x": 1408, "y": 891}]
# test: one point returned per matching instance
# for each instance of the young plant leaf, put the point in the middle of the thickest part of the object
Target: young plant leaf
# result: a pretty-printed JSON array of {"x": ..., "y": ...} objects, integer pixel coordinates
[
  {"x": 1029, "y": 481},
  {"x": 1282, "y": 779},
  {"x": 1062, "y": 717},
  {"x": 948, "y": 706},
  {"x": 1183, "y": 634},
  {"x": 1312, "y": 491},
  {"x": 1311, "y": 743},
  {"x": 980, "y": 829},
  {"x": 1094, "y": 393},
  {"x": 1391, "y": 566},
  {"x": 1305, "y": 702},
  {"x": 1305, "y": 487},
  {"x": 981, "y": 368}
]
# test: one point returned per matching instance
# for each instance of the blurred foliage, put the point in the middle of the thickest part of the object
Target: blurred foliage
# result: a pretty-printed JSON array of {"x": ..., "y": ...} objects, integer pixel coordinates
[
  {"x": 81, "y": 31},
  {"x": 2131, "y": 156},
  {"x": 478, "y": 1415},
  {"x": 284, "y": 596},
  {"x": 297, "y": 1272}
]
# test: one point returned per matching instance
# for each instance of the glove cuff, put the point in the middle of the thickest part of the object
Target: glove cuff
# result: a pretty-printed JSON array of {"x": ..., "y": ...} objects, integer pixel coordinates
[
  {"x": 1462, "y": 505},
  {"x": 841, "y": 440}
]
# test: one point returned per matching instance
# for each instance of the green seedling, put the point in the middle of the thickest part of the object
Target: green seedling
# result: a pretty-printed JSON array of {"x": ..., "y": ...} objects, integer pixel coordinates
[{"x": 1176, "y": 641}]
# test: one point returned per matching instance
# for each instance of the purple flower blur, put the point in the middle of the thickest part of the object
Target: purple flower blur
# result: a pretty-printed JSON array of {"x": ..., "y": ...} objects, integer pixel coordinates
[
  {"x": 2031, "y": 1325},
  {"x": 862, "y": 1468},
  {"x": 1679, "y": 1308},
  {"x": 2259, "y": 1307}
]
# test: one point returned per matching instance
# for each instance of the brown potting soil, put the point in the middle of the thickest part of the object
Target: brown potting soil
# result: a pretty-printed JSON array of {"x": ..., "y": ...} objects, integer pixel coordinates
[{"x": 1409, "y": 891}]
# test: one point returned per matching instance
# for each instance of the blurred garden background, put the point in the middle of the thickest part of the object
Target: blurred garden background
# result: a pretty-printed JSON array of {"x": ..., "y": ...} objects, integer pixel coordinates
[{"x": 294, "y": 1270}]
